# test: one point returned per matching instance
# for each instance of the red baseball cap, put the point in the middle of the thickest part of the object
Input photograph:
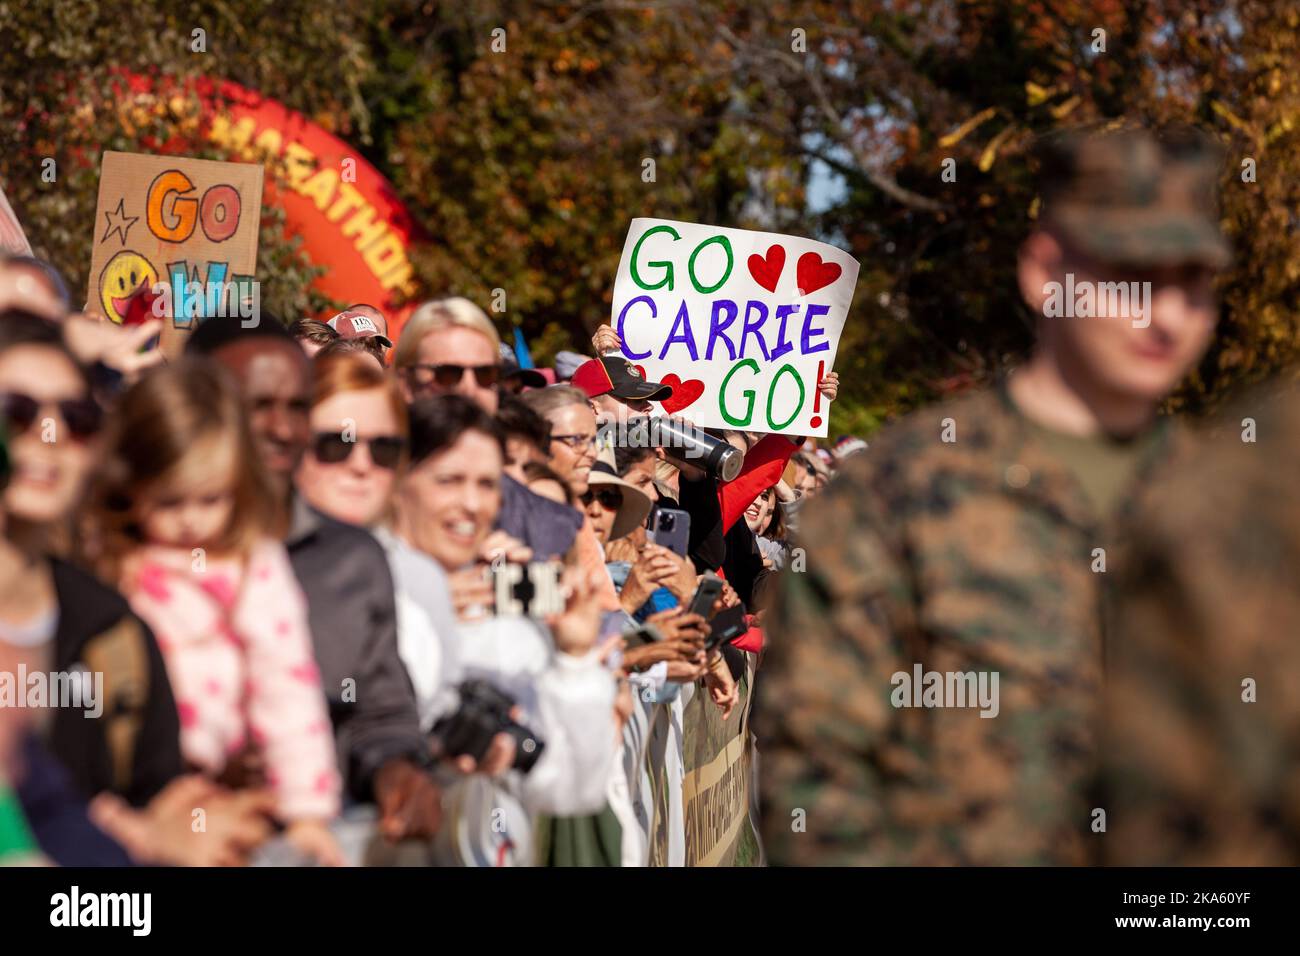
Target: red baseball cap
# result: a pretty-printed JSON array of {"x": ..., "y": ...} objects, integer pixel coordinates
[{"x": 613, "y": 375}]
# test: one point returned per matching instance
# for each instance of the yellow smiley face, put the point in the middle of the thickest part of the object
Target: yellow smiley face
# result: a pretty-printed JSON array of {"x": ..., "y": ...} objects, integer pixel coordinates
[{"x": 127, "y": 276}]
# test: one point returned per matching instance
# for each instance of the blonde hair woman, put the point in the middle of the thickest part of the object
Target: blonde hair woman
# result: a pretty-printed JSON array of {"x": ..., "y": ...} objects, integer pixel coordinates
[{"x": 463, "y": 357}]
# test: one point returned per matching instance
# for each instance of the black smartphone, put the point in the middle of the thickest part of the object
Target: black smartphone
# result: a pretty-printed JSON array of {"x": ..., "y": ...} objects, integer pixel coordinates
[
  {"x": 726, "y": 626},
  {"x": 531, "y": 590},
  {"x": 642, "y": 635},
  {"x": 708, "y": 592},
  {"x": 671, "y": 528}
]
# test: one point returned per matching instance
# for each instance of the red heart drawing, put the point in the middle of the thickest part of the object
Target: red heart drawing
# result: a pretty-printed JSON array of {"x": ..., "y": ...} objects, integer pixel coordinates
[
  {"x": 813, "y": 274},
  {"x": 684, "y": 393},
  {"x": 767, "y": 271}
]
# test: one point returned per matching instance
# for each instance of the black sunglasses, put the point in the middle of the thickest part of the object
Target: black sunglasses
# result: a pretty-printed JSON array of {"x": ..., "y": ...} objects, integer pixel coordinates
[
  {"x": 609, "y": 498},
  {"x": 449, "y": 376},
  {"x": 82, "y": 415},
  {"x": 330, "y": 448}
]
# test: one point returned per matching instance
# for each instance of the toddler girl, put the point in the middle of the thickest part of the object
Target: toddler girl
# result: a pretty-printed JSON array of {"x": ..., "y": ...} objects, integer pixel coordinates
[{"x": 190, "y": 531}]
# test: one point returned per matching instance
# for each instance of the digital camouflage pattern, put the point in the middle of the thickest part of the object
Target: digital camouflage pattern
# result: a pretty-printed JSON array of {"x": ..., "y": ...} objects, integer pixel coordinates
[
  {"x": 1206, "y": 596},
  {"x": 1134, "y": 197},
  {"x": 971, "y": 555}
]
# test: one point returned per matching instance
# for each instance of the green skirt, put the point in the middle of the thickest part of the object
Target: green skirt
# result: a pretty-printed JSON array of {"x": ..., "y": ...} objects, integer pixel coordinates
[{"x": 595, "y": 840}]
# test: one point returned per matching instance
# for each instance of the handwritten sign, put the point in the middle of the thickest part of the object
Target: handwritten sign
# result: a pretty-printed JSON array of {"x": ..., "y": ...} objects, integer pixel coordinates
[
  {"x": 741, "y": 324},
  {"x": 345, "y": 215},
  {"x": 175, "y": 238}
]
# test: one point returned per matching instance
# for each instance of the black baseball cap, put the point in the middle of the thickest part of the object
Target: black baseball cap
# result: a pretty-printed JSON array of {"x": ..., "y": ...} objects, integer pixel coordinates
[
  {"x": 615, "y": 375},
  {"x": 510, "y": 369}
]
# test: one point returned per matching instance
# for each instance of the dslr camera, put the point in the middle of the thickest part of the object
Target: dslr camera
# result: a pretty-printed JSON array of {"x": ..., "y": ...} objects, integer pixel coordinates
[{"x": 483, "y": 713}]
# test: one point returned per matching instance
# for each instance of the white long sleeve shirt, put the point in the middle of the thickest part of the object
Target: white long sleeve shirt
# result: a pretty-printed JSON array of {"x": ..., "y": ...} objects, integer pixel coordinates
[
  {"x": 426, "y": 624},
  {"x": 567, "y": 700}
]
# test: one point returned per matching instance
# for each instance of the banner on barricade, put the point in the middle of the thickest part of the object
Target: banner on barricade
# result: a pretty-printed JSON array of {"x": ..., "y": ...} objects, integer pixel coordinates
[
  {"x": 718, "y": 758},
  {"x": 743, "y": 325}
]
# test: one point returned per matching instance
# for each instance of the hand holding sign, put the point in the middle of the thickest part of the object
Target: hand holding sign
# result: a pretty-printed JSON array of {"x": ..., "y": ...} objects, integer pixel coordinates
[
  {"x": 744, "y": 338},
  {"x": 605, "y": 340},
  {"x": 94, "y": 339}
]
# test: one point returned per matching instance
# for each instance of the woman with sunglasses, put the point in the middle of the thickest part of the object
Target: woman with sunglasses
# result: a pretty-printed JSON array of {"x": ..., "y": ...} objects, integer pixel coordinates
[
  {"x": 52, "y": 422},
  {"x": 617, "y": 511},
  {"x": 52, "y": 425},
  {"x": 63, "y": 618},
  {"x": 449, "y": 346},
  {"x": 358, "y": 426},
  {"x": 351, "y": 471}
]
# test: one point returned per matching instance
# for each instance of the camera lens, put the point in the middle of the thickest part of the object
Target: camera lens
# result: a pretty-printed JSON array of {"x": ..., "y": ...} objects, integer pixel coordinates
[
  {"x": 667, "y": 522},
  {"x": 528, "y": 746}
]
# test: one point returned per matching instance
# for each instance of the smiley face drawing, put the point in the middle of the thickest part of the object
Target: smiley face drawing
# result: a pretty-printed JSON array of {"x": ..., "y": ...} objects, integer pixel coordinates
[{"x": 126, "y": 288}]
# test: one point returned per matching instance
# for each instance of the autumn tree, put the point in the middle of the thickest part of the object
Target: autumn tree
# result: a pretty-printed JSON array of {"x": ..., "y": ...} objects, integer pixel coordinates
[
  {"x": 525, "y": 137},
  {"x": 63, "y": 102}
]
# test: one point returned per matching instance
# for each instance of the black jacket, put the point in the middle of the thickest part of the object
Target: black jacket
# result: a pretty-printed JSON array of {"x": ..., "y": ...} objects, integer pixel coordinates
[
  {"x": 344, "y": 574},
  {"x": 699, "y": 498},
  {"x": 133, "y": 749}
]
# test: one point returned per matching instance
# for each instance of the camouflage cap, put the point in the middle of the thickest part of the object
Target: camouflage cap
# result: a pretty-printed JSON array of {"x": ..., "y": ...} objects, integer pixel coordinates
[{"x": 1135, "y": 197}]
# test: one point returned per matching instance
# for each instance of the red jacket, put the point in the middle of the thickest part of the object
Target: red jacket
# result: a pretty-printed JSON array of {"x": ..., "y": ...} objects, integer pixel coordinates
[{"x": 764, "y": 465}]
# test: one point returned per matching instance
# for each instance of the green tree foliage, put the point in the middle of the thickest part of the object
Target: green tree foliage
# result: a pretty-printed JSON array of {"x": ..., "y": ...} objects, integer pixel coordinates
[
  {"x": 525, "y": 145},
  {"x": 524, "y": 165},
  {"x": 887, "y": 92},
  {"x": 62, "y": 98}
]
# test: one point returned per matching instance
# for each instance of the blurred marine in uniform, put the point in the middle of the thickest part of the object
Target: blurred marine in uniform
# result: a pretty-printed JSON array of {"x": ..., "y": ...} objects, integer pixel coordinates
[
  {"x": 1202, "y": 752},
  {"x": 932, "y": 692}
]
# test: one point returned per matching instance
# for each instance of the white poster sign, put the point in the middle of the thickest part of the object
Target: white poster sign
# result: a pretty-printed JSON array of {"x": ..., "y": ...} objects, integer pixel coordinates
[{"x": 741, "y": 324}]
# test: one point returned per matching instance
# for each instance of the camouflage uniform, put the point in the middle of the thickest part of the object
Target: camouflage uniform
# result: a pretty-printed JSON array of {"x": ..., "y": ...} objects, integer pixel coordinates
[
  {"x": 964, "y": 556},
  {"x": 1207, "y": 594},
  {"x": 969, "y": 556}
]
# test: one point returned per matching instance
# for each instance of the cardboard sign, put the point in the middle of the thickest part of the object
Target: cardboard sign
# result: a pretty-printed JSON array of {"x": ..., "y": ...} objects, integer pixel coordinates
[
  {"x": 741, "y": 324},
  {"x": 175, "y": 238},
  {"x": 346, "y": 216}
]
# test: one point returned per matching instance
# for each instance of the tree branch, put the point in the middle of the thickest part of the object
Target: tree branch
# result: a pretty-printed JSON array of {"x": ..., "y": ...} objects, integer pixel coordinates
[{"x": 876, "y": 177}]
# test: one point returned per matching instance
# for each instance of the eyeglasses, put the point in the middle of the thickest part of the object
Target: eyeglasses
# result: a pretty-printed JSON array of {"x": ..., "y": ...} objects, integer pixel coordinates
[
  {"x": 449, "y": 376},
  {"x": 611, "y": 499},
  {"x": 330, "y": 448},
  {"x": 579, "y": 443},
  {"x": 82, "y": 415}
]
